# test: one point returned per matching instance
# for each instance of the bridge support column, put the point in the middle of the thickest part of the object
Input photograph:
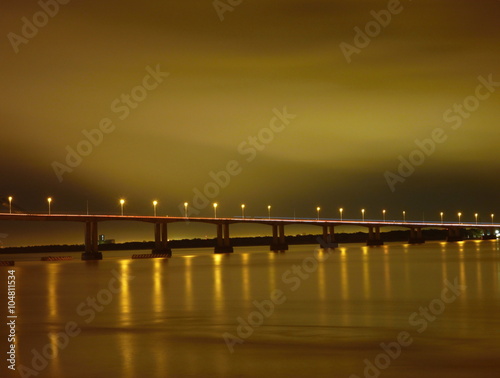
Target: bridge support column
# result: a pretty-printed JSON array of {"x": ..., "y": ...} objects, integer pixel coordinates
[
  {"x": 161, "y": 240},
  {"x": 279, "y": 241},
  {"x": 490, "y": 235},
  {"x": 91, "y": 250},
  {"x": 223, "y": 244},
  {"x": 374, "y": 236},
  {"x": 416, "y": 236},
  {"x": 454, "y": 234},
  {"x": 328, "y": 240}
]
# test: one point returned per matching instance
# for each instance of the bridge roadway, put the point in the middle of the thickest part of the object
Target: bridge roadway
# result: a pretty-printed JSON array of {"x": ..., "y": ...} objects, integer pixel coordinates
[{"x": 278, "y": 243}]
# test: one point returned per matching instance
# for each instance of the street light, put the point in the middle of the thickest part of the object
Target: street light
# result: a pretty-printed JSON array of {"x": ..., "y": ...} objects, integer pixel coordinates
[
  {"x": 404, "y": 216},
  {"x": 363, "y": 214},
  {"x": 476, "y": 216},
  {"x": 243, "y": 211},
  {"x": 492, "y": 216},
  {"x": 269, "y": 211},
  {"x": 459, "y": 215},
  {"x": 341, "y": 210},
  {"x": 154, "y": 207},
  {"x": 383, "y": 214},
  {"x": 318, "y": 209},
  {"x": 122, "y": 201},
  {"x": 215, "y": 209},
  {"x": 186, "y": 209},
  {"x": 49, "y": 200},
  {"x": 441, "y": 213},
  {"x": 10, "y": 205}
]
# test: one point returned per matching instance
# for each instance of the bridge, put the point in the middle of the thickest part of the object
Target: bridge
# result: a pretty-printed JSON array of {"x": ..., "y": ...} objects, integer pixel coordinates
[{"x": 278, "y": 243}]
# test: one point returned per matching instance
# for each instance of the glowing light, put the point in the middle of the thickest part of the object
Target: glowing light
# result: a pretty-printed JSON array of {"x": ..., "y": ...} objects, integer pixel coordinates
[
  {"x": 122, "y": 202},
  {"x": 186, "y": 209},
  {"x": 243, "y": 211},
  {"x": 49, "y": 200},
  {"x": 341, "y": 210},
  {"x": 10, "y": 205},
  {"x": 215, "y": 210},
  {"x": 155, "y": 203}
]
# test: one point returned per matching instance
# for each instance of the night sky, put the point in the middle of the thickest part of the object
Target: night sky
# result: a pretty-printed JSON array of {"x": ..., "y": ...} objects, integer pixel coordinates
[{"x": 303, "y": 103}]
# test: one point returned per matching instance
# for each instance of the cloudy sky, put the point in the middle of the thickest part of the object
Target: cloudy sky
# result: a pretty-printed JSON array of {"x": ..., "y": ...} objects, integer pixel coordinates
[{"x": 357, "y": 104}]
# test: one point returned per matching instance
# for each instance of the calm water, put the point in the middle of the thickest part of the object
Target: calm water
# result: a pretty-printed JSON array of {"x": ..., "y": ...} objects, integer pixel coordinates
[{"x": 434, "y": 307}]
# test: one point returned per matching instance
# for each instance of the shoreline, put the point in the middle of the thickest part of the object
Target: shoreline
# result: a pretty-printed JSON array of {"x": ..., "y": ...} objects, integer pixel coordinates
[{"x": 358, "y": 237}]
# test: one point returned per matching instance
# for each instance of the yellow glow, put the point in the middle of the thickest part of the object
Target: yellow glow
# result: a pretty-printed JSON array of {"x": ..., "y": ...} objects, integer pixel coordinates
[{"x": 122, "y": 201}]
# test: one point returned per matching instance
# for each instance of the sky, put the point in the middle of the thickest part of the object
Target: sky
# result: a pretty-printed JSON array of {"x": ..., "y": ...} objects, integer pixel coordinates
[{"x": 290, "y": 103}]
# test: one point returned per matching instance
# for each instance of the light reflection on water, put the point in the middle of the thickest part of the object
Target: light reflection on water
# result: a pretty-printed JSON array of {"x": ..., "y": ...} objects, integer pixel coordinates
[{"x": 169, "y": 316}]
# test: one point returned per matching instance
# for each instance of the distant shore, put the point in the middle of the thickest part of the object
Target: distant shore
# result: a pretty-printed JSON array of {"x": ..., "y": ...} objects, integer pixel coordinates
[{"x": 358, "y": 237}]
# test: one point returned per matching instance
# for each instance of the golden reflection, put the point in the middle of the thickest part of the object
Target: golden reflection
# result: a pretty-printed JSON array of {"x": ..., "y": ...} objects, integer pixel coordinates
[
  {"x": 52, "y": 290},
  {"x": 125, "y": 292},
  {"x": 444, "y": 270},
  {"x": 321, "y": 282},
  {"x": 218, "y": 295},
  {"x": 128, "y": 355},
  {"x": 272, "y": 271},
  {"x": 55, "y": 364},
  {"x": 366, "y": 273},
  {"x": 245, "y": 276},
  {"x": 344, "y": 279},
  {"x": 188, "y": 295},
  {"x": 463, "y": 278},
  {"x": 158, "y": 286},
  {"x": 387, "y": 273}
]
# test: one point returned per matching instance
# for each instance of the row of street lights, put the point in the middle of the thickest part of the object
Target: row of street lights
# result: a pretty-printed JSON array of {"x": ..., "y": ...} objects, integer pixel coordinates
[{"x": 215, "y": 205}]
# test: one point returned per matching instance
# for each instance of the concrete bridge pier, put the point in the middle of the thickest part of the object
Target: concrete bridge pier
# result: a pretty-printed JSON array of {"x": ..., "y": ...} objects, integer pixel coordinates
[
  {"x": 279, "y": 242},
  {"x": 416, "y": 236},
  {"x": 161, "y": 240},
  {"x": 454, "y": 235},
  {"x": 328, "y": 239},
  {"x": 489, "y": 234},
  {"x": 374, "y": 236},
  {"x": 91, "y": 242},
  {"x": 223, "y": 244}
]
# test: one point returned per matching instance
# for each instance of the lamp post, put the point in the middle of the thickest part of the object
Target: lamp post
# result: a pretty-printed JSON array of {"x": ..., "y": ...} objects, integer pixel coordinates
[
  {"x": 215, "y": 209},
  {"x": 185, "y": 209},
  {"x": 363, "y": 214},
  {"x": 476, "y": 216},
  {"x": 459, "y": 215},
  {"x": 49, "y": 200},
  {"x": 269, "y": 211},
  {"x": 404, "y": 216},
  {"x": 441, "y": 214},
  {"x": 492, "y": 216},
  {"x": 10, "y": 205},
  {"x": 243, "y": 211},
  {"x": 341, "y": 210},
  {"x": 154, "y": 207},
  {"x": 383, "y": 214},
  {"x": 122, "y": 202}
]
